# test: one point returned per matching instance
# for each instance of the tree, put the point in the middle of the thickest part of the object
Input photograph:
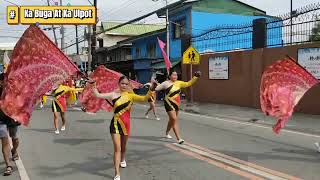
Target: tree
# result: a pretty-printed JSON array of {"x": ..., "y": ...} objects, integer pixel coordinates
[{"x": 315, "y": 36}]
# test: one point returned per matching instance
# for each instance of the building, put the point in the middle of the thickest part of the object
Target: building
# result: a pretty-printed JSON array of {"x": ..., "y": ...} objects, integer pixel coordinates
[
  {"x": 118, "y": 56},
  {"x": 5, "y": 47},
  {"x": 186, "y": 20}
]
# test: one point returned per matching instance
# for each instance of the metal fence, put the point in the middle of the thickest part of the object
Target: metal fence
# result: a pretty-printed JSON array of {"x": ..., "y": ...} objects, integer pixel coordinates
[{"x": 302, "y": 27}]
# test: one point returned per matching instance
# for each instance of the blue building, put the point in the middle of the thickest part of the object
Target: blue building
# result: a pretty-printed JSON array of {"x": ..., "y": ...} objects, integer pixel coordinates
[{"x": 192, "y": 19}]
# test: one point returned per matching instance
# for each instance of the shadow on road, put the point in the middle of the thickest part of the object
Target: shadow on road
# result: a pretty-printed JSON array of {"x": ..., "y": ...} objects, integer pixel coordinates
[
  {"x": 312, "y": 153},
  {"x": 74, "y": 141},
  {"x": 92, "y": 121},
  {"x": 41, "y": 130},
  {"x": 151, "y": 138},
  {"x": 94, "y": 166}
]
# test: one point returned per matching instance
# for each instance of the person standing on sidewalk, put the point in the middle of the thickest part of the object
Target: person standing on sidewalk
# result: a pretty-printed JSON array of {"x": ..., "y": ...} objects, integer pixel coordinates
[
  {"x": 152, "y": 102},
  {"x": 122, "y": 101},
  {"x": 172, "y": 89},
  {"x": 8, "y": 127}
]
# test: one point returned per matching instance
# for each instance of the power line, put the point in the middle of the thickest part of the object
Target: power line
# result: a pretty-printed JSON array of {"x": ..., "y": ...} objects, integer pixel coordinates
[
  {"x": 90, "y": 3},
  {"x": 129, "y": 22},
  {"x": 11, "y": 2},
  {"x": 120, "y": 6},
  {"x": 10, "y": 37},
  {"x": 112, "y": 12}
]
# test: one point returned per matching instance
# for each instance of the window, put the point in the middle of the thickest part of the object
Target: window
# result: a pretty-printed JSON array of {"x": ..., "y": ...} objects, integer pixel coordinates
[
  {"x": 138, "y": 52},
  {"x": 179, "y": 28},
  {"x": 100, "y": 43},
  {"x": 151, "y": 50}
]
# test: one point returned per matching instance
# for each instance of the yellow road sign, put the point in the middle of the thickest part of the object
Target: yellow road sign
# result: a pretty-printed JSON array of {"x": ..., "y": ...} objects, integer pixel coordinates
[{"x": 191, "y": 56}]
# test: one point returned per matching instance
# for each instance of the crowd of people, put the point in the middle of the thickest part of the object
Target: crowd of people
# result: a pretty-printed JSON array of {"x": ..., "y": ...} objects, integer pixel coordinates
[{"x": 121, "y": 100}]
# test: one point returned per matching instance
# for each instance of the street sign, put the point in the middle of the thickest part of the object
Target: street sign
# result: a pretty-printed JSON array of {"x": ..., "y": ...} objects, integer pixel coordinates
[{"x": 191, "y": 56}]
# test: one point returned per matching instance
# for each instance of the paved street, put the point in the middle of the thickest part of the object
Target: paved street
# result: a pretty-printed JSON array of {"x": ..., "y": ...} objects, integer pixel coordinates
[{"x": 216, "y": 148}]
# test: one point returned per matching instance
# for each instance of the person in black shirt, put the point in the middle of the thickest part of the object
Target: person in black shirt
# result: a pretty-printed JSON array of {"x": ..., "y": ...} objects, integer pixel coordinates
[{"x": 8, "y": 127}]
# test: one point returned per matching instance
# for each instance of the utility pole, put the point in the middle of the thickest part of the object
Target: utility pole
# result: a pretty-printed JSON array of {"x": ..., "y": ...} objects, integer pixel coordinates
[
  {"x": 62, "y": 33},
  {"x": 94, "y": 41},
  {"x": 77, "y": 40},
  {"x": 168, "y": 30},
  {"x": 53, "y": 30},
  {"x": 89, "y": 49},
  {"x": 291, "y": 14}
]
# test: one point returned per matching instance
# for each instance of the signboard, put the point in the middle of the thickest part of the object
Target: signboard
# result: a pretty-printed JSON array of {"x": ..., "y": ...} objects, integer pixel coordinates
[
  {"x": 219, "y": 67},
  {"x": 309, "y": 58},
  {"x": 76, "y": 15},
  {"x": 191, "y": 56}
]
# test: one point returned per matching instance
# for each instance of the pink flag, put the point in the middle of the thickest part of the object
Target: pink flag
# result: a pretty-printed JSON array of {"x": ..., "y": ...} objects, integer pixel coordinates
[
  {"x": 164, "y": 54},
  {"x": 107, "y": 81},
  {"x": 283, "y": 84},
  {"x": 36, "y": 67}
]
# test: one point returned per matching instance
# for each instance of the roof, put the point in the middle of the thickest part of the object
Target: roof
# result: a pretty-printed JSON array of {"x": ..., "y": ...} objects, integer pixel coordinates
[
  {"x": 162, "y": 65},
  {"x": 227, "y": 6},
  {"x": 7, "y": 46},
  {"x": 152, "y": 33},
  {"x": 131, "y": 29}
]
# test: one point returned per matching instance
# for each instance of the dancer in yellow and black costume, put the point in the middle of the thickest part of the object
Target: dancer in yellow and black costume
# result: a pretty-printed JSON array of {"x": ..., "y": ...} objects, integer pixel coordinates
[
  {"x": 59, "y": 105},
  {"x": 152, "y": 103},
  {"x": 172, "y": 88},
  {"x": 122, "y": 101}
]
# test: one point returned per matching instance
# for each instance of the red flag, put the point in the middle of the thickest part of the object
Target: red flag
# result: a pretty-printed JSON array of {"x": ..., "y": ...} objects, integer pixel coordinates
[
  {"x": 36, "y": 67},
  {"x": 107, "y": 81},
  {"x": 164, "y": 54},
  {"x": 283, "y": 84}
]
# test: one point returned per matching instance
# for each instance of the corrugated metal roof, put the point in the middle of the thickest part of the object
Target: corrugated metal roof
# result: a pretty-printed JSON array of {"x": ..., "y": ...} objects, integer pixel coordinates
[
  {"x": 131, "y": 29},
  {"x": 7, "y": 46}
]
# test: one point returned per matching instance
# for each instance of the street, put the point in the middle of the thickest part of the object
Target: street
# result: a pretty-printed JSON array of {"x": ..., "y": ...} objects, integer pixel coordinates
[{"x": 215, "y": 148}]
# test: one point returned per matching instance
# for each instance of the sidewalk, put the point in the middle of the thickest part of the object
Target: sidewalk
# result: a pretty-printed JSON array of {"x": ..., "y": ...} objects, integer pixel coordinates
[{"x": 299, "y": 122}]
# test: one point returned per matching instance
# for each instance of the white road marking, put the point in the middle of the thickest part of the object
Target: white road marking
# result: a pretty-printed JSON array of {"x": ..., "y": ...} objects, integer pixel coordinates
[
  {"x": 231, "y": 163},
  {"x": 21, "y": 169},
  {"x": 245, "y": 123}
]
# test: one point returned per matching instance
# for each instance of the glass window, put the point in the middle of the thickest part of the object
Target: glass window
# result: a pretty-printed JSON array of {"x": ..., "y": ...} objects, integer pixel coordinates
[
  {"x": 179, "y": 28},
  {"x": 138, "y": 52},
  {"x": 151, "y": 50}
]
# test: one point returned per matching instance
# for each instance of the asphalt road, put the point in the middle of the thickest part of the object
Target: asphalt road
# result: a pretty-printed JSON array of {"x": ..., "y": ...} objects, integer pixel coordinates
[{"x": 215, "y": 148}]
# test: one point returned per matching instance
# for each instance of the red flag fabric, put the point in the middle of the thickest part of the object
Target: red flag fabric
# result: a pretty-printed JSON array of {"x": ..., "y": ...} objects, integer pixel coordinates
[
  {"x": 36, "y": 67},
  {"x": 164, "y": 54},
  {"x": 107, "y": 81},
  {"x": 283, "y": 84}
]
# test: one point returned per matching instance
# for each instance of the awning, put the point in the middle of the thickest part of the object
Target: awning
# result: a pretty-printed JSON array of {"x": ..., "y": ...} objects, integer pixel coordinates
[{"x": 161, "y": 65}]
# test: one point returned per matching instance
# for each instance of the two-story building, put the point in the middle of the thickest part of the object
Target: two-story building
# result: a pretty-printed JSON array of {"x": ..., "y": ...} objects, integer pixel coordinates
[
  {"x": 118, "y": 56},
  {"x": 186, "y": 20}
]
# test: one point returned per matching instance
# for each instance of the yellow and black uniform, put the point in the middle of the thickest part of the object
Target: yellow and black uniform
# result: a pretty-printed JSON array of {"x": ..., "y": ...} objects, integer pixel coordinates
[
  {"x": 152, "y": 95},
  {"x": 120, "y": 123},
  {"x": 172, "y": 94},
  {"x": 59, "y": 101}
]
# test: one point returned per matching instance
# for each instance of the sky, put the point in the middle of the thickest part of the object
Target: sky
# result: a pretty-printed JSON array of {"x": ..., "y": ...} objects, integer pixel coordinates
[{"x": 124, "y": 10}]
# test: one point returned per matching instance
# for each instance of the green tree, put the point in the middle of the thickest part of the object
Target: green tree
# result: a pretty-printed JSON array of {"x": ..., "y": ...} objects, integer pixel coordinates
[{"x": 315, "y": 36}]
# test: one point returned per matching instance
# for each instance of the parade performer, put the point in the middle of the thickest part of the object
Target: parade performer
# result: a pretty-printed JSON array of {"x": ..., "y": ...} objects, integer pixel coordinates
[
  {"x": 152, "y": 103},
  {"x": 59, "y": 105},
  {"x": 43, "y": 101},
  {"x": 172, "y": 89},
  {"x": 122, "y": 101}
]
